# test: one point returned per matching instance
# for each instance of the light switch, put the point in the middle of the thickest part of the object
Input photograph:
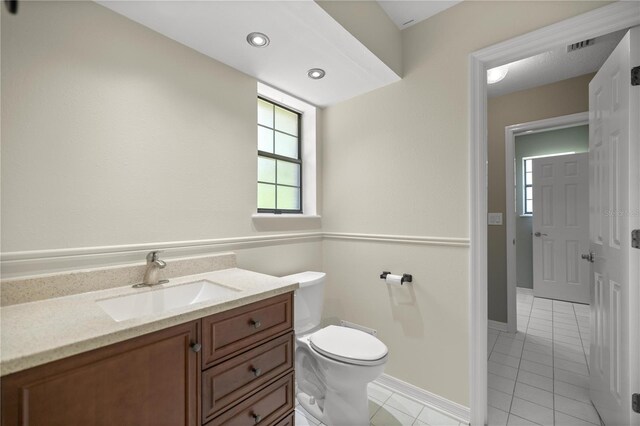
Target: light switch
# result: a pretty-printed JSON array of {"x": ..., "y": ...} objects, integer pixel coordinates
[{"x": 495, "y": 218}]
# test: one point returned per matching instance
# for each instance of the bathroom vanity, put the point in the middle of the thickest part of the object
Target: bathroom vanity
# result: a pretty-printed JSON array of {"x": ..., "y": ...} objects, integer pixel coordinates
[{"x": 231, "y": 367}]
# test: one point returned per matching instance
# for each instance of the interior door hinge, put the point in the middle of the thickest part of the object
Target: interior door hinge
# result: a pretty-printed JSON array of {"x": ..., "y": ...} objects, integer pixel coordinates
[
  {"x": 635, "y": 238},
  {"x": 635, "y": 76},
  {"x": 635, "y": 402}
]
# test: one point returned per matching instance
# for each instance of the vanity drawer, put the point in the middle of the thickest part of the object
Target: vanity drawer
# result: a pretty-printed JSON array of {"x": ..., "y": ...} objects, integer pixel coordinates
[
  {"x": 242, "y": 374},
  {"x": 287, "y": 421},
  {"x": 263, "y": 408},
  {"x": 228, "y": 332}
]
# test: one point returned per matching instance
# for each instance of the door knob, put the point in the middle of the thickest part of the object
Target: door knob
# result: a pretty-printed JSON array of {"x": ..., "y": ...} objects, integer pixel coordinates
[
  {"x": 196, "y": 347},
  {"x": 590, "y": 257},
  {"x": 539, "y": 234}
]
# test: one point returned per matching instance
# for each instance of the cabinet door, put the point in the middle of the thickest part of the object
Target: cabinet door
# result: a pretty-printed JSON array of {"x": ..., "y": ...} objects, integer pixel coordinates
[{"x": 146, "y": 381}]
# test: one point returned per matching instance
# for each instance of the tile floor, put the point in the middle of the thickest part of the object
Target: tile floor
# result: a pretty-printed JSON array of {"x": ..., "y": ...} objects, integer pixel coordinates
[
  {"x": 389, "y": 408},
  {"x": 540, "y": 374}
]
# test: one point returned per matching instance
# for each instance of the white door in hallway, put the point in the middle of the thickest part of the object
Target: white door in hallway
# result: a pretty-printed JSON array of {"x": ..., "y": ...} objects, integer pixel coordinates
[
  {"x": 614, "y": 163},
  {"x": 561, "y": 227}
]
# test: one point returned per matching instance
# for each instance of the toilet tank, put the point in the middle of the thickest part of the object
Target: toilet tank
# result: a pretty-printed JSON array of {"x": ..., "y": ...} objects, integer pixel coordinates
[{"x": 308, "y": 300}]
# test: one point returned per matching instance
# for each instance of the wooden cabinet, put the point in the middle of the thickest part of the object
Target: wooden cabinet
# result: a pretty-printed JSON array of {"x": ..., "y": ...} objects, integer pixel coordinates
[
  {"x": 243, "y": 375},
  {"x": 228, "y": 332},
  {"x": 248, "y": 364},
  {"x": 150, "y": 380}
]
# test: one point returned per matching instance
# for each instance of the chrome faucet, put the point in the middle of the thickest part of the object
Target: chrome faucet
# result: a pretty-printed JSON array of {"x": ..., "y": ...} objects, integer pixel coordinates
[{"x": 154, "y": 264}]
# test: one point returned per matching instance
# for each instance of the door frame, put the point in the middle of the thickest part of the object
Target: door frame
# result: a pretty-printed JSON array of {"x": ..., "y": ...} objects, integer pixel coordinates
[
  {"x": 610, "y": 18},
  {"x": 510, "y": 133}
]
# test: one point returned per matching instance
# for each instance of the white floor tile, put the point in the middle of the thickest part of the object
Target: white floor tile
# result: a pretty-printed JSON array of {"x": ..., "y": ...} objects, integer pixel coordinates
[
  {"x": 575, "y": 367},
  {"x": 576, "y": 409},
  {"x": 518, "y": 336},
  {"x": 404, "y": 404},
  {"x": 509, "y": 339},
  {"x": 569, "y": 332},
  {"x": 378, "y": 392},
  {"x": 571, "y": 378},
  {"x": 500, "y": 383},
  {"x": 535, "y": 368},
  {"x": 535, "y": 380},
  {"x": 389, "y": 416},
  {"x": 505, "y": 359},
  {"x": 540, "y": 333},
  {"x": 435, "y": 417},
  {"x": 499, "y": 400},
  {"x": 533, "y": 412},
  {"x": 571, "y": 391},
  {"x": 539, "y": 348},
  {"x": 502, "y": 370},
  {"x": 571, "y": 354},
  {"x": 537, "y": 357},
  {"x": 567, "y": 326},
  {"x": 303, "y": 418},
  {"x": 551, "y": 355},
  {"x": 519, "y": 421},
  {"x": 511, "y": 350},
  {"x": 566, "y": 420},
  {"x": 566, "y": 339},
  {"x": 374, "y": 406},
  {"x": 535, "y": 395},
  {"x": 497, "y": 417}
]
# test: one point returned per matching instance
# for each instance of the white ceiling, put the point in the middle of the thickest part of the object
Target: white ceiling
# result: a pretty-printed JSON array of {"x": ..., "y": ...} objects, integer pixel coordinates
[
  {"x": 407, "y": 13},
  {"x": 303, "y": 36},
  {"x": 556, "y": 65}
]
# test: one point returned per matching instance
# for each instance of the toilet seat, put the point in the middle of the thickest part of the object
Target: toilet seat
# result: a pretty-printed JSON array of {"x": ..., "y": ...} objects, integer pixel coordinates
[{"x": 349, "y": 345}]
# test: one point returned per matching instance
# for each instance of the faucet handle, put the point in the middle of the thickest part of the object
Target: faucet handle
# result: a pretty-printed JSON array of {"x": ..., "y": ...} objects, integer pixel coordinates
[{"x": 152, "y": 256}]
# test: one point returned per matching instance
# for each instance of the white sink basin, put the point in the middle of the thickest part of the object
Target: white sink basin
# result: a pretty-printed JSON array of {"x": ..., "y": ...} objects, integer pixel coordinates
[{"x": 161, "y": 300}]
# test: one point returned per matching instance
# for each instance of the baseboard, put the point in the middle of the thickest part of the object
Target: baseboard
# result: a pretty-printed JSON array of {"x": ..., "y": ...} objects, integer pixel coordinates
[
  {"x": 497, "y": 325},
  {"x": 449, "y": 408}
]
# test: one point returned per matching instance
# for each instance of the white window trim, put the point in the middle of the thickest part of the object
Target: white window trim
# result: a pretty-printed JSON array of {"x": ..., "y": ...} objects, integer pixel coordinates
[{"x": 309, "y": 154}]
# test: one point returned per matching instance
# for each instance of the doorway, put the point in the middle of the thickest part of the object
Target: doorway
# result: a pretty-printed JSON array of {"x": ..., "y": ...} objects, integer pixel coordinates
[
  {"x": 602, "y": 21},
  {"x": 518, "y": 218}
]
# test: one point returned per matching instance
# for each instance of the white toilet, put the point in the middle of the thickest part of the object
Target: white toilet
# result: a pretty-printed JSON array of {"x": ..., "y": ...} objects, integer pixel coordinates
[{"x": 333, "y": 364}]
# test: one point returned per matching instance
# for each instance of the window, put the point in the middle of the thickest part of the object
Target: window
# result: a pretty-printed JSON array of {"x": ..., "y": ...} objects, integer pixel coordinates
[
  {"x": 527, "y": 181},
  {"x": 279, "y": 159},
  {"x": 527, "y": 166}
]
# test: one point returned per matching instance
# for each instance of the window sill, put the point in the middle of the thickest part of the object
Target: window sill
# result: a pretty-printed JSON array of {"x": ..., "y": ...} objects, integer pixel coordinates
[
  {"x": 285, "y": 222},
  {"x": 526, "y": 215}
]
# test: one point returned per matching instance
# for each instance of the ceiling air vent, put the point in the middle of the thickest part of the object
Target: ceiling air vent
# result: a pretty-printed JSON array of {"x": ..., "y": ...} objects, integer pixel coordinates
[{"x": 580, "y": 44}]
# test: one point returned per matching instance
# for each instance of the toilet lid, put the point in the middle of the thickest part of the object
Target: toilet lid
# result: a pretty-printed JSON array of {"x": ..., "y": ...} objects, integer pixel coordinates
[{"x": 348, "y": 344}]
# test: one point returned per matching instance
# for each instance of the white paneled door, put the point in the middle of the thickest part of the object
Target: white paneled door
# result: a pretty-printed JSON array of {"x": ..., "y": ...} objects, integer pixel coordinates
[
  {"x": 561, "y": 227},
  {"x": 614, "y": 157}
]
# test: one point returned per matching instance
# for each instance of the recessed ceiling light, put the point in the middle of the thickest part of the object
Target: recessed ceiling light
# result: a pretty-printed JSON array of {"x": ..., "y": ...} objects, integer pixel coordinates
[
  {"x": 258, "y": 40},
  {"x": 496, "y": 74},
  {"x": 316, "y": 73}
]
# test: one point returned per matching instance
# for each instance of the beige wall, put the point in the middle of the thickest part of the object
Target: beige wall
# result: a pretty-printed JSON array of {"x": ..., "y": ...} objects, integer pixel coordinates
[
  {"x": 124, "y": 136},
  {"x": 552, "y": 100},
  {"x": 396, "y": 162},
  {"x": 113, "y": 134}
]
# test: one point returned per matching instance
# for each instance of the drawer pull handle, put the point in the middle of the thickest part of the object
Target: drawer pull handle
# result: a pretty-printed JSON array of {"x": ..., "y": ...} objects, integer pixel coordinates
[
  {"x": 256, "y": 418},
  {"x": 255, "y": 323},
  {"x": 256, "y": 371},
  {"x": 196, "y": 347}
]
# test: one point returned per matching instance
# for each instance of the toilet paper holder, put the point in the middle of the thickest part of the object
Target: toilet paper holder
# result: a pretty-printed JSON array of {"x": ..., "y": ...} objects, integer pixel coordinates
[{"x": 406, "y": 278}]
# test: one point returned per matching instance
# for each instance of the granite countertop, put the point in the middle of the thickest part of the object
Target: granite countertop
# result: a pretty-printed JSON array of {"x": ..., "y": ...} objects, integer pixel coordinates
[{"x": 38, "y": 332}]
